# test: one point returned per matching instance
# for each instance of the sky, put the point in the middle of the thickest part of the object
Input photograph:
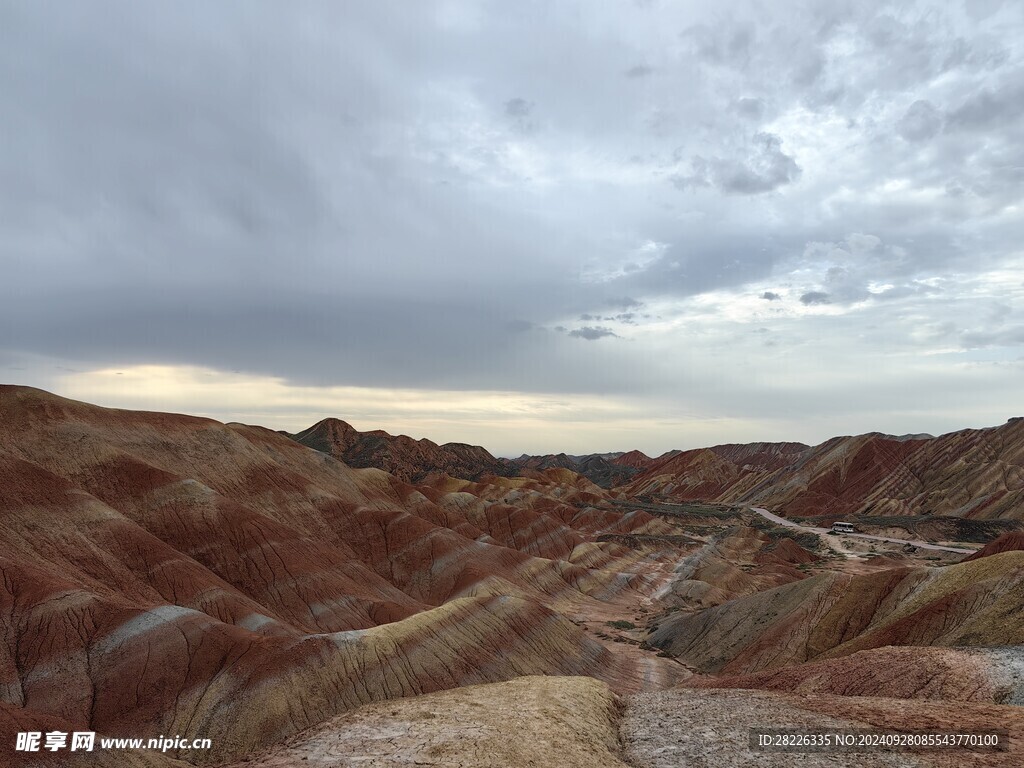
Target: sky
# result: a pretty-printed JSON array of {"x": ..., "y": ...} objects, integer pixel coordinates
[{"x": 535, "y": 226}]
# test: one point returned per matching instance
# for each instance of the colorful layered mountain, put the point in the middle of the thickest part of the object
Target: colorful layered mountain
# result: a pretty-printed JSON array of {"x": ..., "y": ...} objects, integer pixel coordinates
[
  {"x": 900, "y": 672},
  {"x": 165, "y": 574},
  {"x": 404, "y": 457},
  {"x": 974, "y": 603},
  {"x": 602, "y": 469},
  {"x": 973, "y": 473},
  {"x": 636, "y": 459}
]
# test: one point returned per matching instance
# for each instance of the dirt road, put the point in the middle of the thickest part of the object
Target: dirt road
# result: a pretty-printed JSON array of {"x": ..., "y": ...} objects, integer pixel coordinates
[{"x": 914, "y": 542}]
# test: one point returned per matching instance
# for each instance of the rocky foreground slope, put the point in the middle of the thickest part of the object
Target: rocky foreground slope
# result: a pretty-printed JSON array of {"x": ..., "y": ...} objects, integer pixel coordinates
[{"x": 579, "y": 723}]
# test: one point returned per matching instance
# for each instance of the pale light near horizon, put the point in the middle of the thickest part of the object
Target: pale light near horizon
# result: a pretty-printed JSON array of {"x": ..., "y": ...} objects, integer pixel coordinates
[{"x": 507, "y": 423}]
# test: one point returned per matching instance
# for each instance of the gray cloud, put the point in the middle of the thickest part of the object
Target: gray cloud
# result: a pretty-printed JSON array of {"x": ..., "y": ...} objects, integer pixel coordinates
[
  {"x": 763, "y": 168},
  {"x": 518, "y": 107},
  {"x": 520, "y": 111},
  {"x": 752, "y": 109},
  {"x": 592, "y": 332},
  {"x": 723, "y": 44},
  {"x": 1007, "y": 336},
  {"x": 987, "y": 107},
  {"x": 639, "y": 70},
  {"x": 921, "y": 121},
  {"x": 770, "y": 296},
  {"x": 624, "y": 302},
  {"x": 699, "y": 175},
  {"x": 815, "y": 297}
]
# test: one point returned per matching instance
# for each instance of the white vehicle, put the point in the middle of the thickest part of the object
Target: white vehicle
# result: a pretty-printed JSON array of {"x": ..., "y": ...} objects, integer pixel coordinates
[{"x": 843, "y": 528}]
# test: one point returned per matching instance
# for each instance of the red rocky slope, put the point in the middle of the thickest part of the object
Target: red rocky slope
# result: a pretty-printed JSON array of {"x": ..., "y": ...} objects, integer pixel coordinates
[
  {"x": 973, "y": 473},
  {"x": 170, "y": 574}
]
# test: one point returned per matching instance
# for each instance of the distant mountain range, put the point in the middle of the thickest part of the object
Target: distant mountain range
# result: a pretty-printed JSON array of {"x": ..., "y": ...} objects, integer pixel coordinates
[
  {"x": 405, "y": 457},
  {"x": 975, "y": 473},
  {"x": 972, "y": 473},
  {"x": 421, "y": 460}
]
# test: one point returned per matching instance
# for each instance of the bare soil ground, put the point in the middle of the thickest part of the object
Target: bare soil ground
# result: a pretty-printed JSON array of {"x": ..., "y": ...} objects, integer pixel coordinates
[
  {"x": 530, "y": 721},
  {"x": 573, "y": 721},
  {"x": 709, "y": 729},
  {"x": 917, "y": 715},
  {"x": 1008, "y": 669}
]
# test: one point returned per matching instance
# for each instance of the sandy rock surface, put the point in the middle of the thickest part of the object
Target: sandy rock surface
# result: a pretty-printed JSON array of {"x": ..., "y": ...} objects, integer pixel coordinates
[
  {"x": 709, "y": 729},
  {"x": 531, "y": 721}
]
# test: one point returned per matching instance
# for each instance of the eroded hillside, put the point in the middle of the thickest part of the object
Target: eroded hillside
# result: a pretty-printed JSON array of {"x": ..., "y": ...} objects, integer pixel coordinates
[
  {"x": 973, "y": 473},
  {"x": 166, "y": 574},
  {"x": 171, "y": 574}
]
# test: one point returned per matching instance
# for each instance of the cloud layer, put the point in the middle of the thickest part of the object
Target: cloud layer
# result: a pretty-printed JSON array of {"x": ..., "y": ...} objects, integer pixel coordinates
[{"x": 778, "y": 217}]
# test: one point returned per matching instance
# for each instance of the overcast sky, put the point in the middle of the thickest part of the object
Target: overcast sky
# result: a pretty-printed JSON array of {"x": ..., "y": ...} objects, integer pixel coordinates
[{"x": 537, "y": 226}]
